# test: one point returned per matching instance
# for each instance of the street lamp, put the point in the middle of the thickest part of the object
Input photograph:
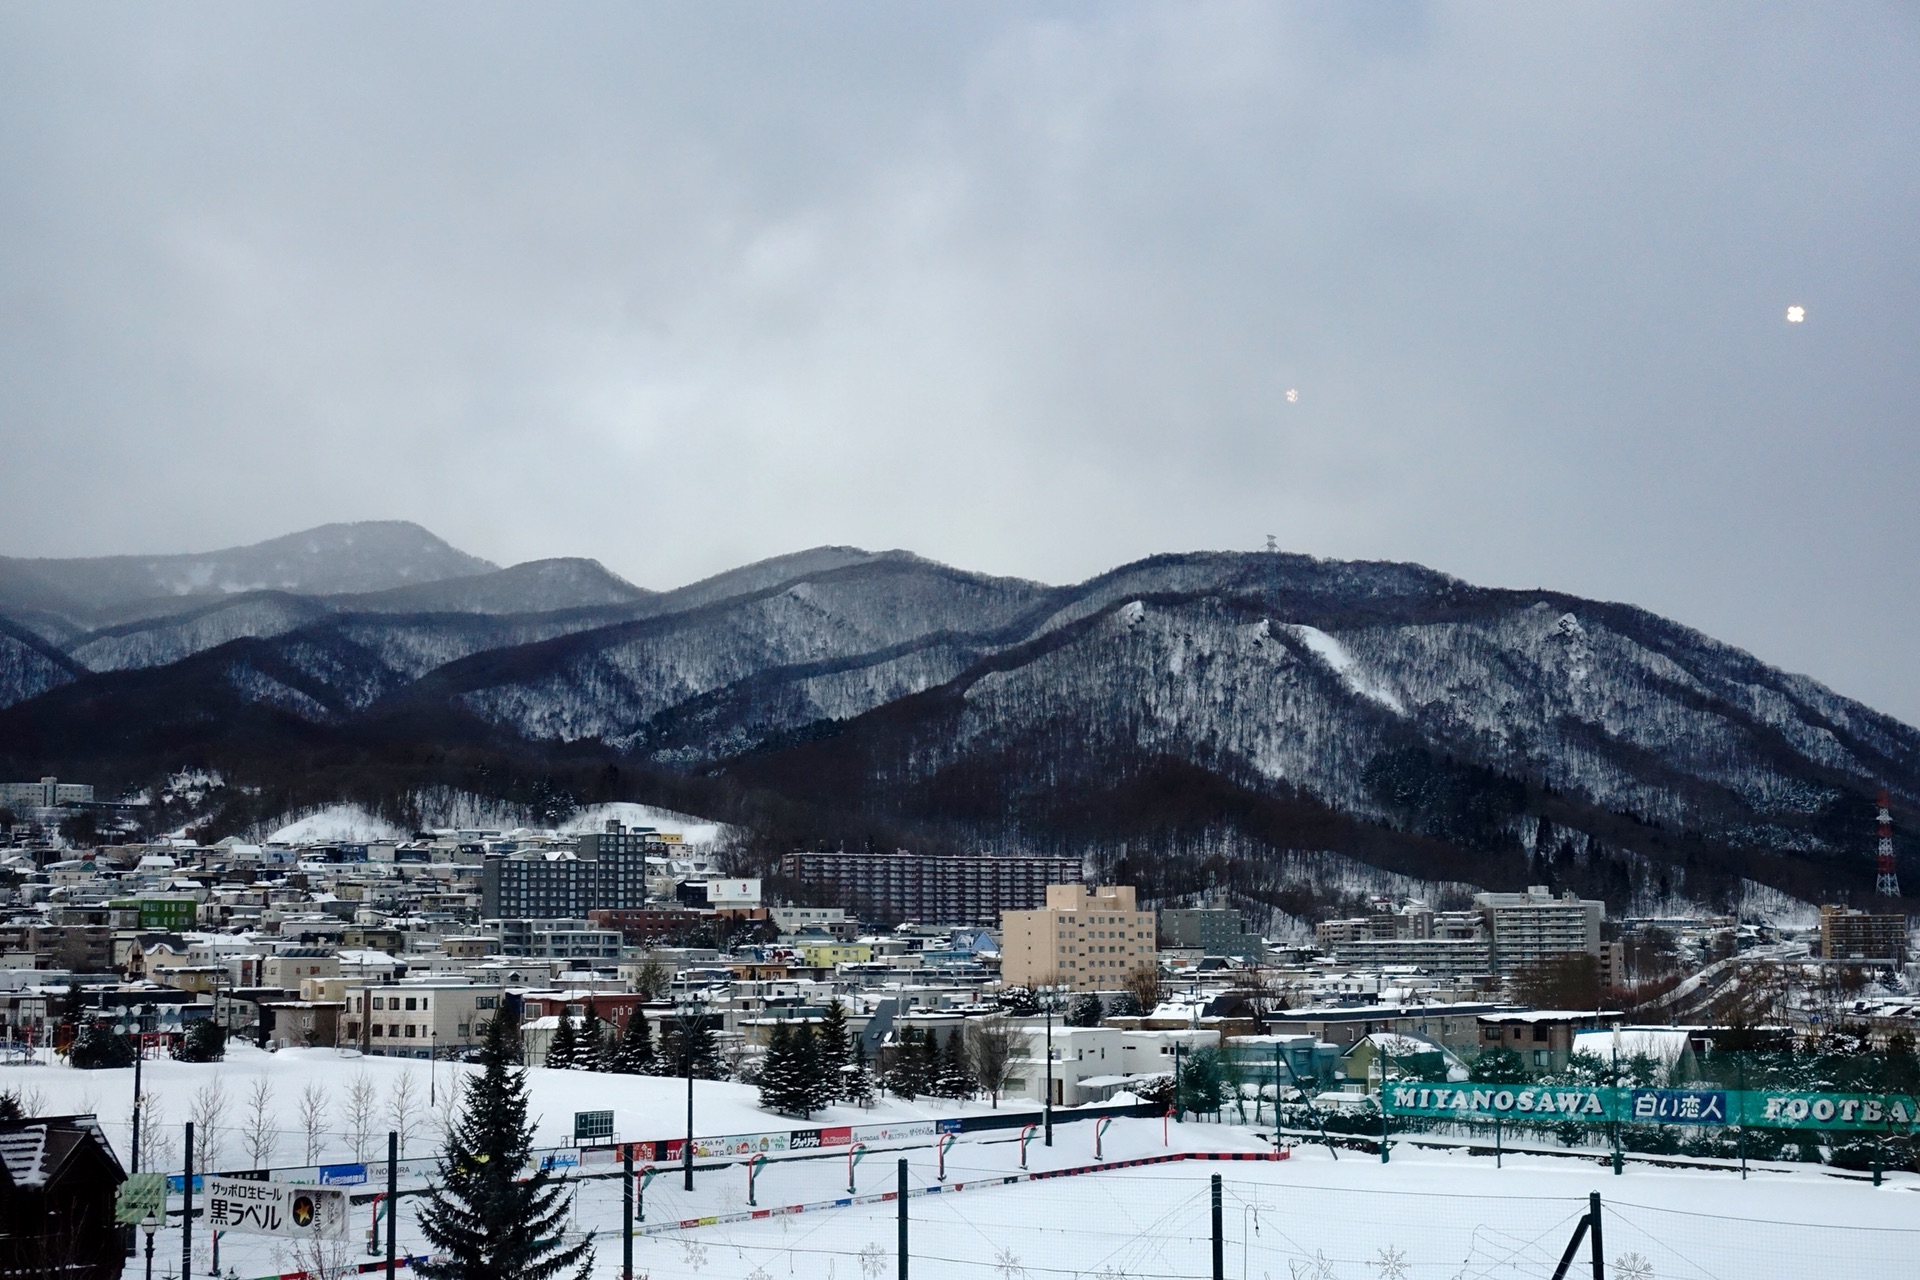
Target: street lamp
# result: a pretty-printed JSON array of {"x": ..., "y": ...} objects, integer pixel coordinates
[
  {"x": 685, "y": 1014},
  {"x": 149, "y": 1224}
]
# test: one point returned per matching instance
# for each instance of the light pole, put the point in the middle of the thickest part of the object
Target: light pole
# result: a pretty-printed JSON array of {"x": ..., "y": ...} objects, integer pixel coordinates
[
  {"x": 139, "y": 1055},
  {"x": 685, "y": 1014},
  {"x": 1047, "y": 1138},
  {"x": 149, "y": 1224}
]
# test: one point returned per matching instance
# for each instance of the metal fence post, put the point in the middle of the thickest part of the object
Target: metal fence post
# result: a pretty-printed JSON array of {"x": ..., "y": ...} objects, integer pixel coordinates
[
  {"x": 903, "y": 1218},
  {"x": 1219, "y": 1237},
  {"x": 626, "y": 1211},
  {"x": 393, "y": 1194},
  {"x": 1599, "y": 1250},
  {"x": 186, "y": 1213}
]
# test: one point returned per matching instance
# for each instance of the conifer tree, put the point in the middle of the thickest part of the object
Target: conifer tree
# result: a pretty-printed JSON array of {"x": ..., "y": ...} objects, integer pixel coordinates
[
  {"x": 634, "y": 1054},
  {"x": 956, "y": 1077},
  {"x": 591, "y": 1052},
  {"x": 859, "y": 1085},
  {"x": 1084, "y": 1010},
  {"x": 926, "y": 1062},
  {"x": 781, "y": 1087},
  {"x": 818, "y": 1087},
  {"x": 563, "y": 1051},
  {"x": 901, "y": 1076},
  {"x": 683, "y": 1037},
  {"x": 831, "y": 1037},
  {"x": 483, "y": 1220}
]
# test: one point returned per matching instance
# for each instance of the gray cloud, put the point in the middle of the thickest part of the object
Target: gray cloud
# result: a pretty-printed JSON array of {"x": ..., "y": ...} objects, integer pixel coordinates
[{"x": 1019, "y": 288}]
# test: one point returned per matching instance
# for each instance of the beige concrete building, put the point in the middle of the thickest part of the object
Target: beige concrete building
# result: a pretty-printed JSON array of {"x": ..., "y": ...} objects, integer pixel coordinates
[{"x": 1082, "y": 940}]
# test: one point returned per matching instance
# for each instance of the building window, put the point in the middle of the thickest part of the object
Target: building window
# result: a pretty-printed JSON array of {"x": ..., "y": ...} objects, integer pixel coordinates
[{"x": 379, "y": 1029}]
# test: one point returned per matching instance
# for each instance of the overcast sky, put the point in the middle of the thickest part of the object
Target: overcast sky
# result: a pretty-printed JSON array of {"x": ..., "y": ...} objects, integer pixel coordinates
[{"x": 1021, "y": 288}]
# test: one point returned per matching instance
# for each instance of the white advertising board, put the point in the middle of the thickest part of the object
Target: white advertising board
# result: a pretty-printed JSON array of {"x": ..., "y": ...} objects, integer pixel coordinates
[{"x": 275, "y": 1208}]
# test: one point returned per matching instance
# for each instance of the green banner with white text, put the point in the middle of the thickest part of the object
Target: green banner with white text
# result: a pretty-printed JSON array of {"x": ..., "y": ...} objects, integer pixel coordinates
[{"x": 1601, "y": 1104}]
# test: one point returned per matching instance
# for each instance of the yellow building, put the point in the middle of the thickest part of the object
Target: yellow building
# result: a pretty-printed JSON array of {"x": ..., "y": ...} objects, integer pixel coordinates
[
  {"x": 825, "y": 955},
  {"x": 1082, "y": 940}
]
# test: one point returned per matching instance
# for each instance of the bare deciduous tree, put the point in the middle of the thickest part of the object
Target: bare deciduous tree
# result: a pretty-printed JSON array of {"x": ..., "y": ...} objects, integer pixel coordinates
[
  {"x": 313, "y": 1117},
  {"x": 209, "y": 1107},
  {"x": 319, "y": 1258},
  {"x": 447, "y": 1115},
  {"x": 405, "y": 1107},
  {"x": 158, "y": 1150},
  {"x": 993, "y": 1045},
  {"x": 259, "y": 1136},
  {"x": 1145, "y": 986},
  {"x": 363, "y": 1101}
]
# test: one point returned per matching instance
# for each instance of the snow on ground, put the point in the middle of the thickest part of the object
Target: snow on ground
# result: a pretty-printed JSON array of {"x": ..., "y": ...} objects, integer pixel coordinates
[
  {"x": 336, "y": 822},
  {"x": 1438, "y": 1214},
  {"x": 643, "y": 1106},
  {"x": 1336, "y": 656},
  {"x": 594, "y": 818}
]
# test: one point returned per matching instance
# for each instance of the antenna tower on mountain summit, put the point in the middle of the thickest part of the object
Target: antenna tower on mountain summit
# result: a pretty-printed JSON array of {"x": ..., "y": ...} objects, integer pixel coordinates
[{"x": 1887, "y": 882}]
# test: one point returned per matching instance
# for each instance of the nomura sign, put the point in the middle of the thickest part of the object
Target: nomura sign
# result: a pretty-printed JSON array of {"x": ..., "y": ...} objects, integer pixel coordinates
[{"x": 1584, "y": 1104}]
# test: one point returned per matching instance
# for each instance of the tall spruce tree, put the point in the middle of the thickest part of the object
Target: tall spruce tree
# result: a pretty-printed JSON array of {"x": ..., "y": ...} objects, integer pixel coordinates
[
  {"x": 956, "y": 1077},
  {"x": 592, "y": 1053},
  {"x": 483, "y": 1220},
  {"x": 634, "y": 1054},
  {"x": 563, "y": 1051},
  {"x": 859, "y": 1085},
  {"x": 817, "y": 1085},
  {"x": 831, "y": 1037},
  {"x": 781, "y": 1087},
  {"x": 901, "y": 1075}
]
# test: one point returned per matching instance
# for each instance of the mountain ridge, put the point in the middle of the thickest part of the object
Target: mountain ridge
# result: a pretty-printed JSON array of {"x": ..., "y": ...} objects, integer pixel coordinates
[{"x": 1387, "y": 710}]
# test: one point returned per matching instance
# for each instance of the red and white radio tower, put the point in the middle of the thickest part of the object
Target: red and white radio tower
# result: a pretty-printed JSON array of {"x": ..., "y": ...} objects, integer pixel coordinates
[{"x": 1887, "y": 883}]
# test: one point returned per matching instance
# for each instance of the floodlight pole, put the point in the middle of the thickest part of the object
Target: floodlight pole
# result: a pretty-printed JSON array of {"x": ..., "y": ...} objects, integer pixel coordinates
[{"x": 1047, "y": 1103}]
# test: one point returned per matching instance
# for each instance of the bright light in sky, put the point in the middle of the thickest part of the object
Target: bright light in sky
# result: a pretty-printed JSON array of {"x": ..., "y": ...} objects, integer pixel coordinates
[
  {"x": 1796, "y": 314},
  {"x": 1293, "y": 396}
]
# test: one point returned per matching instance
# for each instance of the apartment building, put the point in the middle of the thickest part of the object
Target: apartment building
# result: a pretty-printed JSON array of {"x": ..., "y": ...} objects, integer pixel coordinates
[
  {"x": 1526, "y": 928},
  {"x": 1081, "y": 940},
  {"x": 1447, "y": 945},
  {"x": 1212, "y": 931},
  {"x": 957, "y": 889},
  {"x": 556, "y": 939},
  {"x": 1846, "y": 934},
  {"x": 409, "y": 1019}
]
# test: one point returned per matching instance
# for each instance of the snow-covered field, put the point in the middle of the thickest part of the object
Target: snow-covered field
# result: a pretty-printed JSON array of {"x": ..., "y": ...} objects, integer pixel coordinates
[{"x": 1425, "y": 1214}]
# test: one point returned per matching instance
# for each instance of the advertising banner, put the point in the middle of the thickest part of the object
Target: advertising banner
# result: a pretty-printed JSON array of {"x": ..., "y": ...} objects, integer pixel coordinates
[
  {"x": 895, "y": 1132},
  {"x": 812, "y": 1139},
  {"x": 1539, "y": 1102},
  {"x": 275, "y": 1208},
  {"x": 1678, "y": 1106},
  {"x": 1770, "y": 1110},
  {"x": 141, "y": 1195},
  {"x": 1754, "y": 1108},
  {"x": 342, "y": 1175}
]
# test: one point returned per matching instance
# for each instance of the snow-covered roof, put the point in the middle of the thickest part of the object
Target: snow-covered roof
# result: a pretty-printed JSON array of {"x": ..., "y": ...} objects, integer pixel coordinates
[{"x": 1662, "y": 1044}]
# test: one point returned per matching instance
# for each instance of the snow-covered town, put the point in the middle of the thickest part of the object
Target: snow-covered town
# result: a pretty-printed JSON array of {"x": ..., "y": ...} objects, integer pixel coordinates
[
  {"x": 1175, "y": 640},
  {"x": 1081, "y": 1066}
]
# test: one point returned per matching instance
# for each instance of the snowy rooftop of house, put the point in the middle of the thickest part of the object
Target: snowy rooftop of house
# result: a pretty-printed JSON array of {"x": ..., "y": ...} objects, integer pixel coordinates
[
  {"x": 1553, "y": 1015},
  {"x": 1662, "y": 1044}
]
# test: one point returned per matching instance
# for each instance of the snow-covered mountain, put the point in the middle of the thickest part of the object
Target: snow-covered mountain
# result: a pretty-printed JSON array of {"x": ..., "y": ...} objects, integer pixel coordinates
[
  {"x": 367, "y": 556},
  {"x": 1225, "y": 711}
]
